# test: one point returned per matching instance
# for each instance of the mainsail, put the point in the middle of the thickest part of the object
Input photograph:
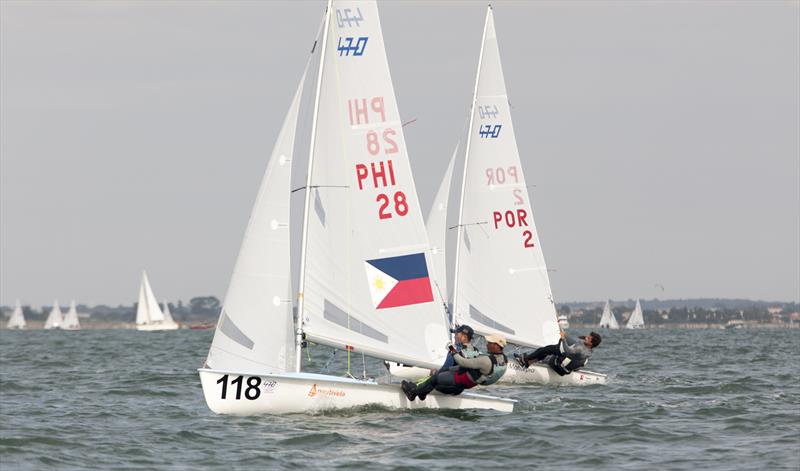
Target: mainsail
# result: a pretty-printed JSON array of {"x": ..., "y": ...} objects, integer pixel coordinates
[
  {"x": 501, "y": 280},
  {"x": 147, "y": 310},
  {"x": 55, "y": 318},
  {"x": 71, "y": 321},
  {"x": 365, "y": 277},
  {"x": 608, "y": 320},
  {"x": 254, "y": 331},
  {"x": 636, "y": 321},
  {"x": 17, "y": 319}
]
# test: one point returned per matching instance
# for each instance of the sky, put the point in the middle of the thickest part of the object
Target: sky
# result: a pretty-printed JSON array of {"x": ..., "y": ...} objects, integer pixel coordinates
[{"x": 663, "y": 138}]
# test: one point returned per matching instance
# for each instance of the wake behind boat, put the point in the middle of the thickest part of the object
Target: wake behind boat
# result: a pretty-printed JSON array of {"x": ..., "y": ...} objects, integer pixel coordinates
[{"x": 364, "y": 283}]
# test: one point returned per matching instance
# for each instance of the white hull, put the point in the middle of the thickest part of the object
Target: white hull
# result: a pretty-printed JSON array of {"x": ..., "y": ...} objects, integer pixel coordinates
[
  {"x": 157, "y": 326},
  {"x": 307, "y": 393},
  {"x": 535, "y": 374}
]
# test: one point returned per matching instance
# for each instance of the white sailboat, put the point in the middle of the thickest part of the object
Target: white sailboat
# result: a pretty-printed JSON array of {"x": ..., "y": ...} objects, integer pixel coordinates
[
  {"x": 501, "y": 281},
  {"x": 17, "y": 319},
  {"x": 608, "y": 320},
  {"x": 636, "y": 321},
  {"x": 364, "y": 283},
  {"x": 55, "y": 319},
  {"x": 71, "y": 321},
  {"x": 149, "y": 316}
]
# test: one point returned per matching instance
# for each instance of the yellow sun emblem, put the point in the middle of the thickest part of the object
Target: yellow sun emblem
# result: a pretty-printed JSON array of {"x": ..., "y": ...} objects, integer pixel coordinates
[{"x": 378, "y": 283}]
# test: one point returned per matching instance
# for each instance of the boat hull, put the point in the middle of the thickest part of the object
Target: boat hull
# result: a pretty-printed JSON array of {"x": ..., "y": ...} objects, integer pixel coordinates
[
  {"x": 155, "y": 327},
  {"x": 307, "y": 393},
  {"x": 515, "y": 374}
]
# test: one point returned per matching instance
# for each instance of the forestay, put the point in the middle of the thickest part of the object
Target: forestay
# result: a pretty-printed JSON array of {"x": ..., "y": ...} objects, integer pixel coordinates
[
  {"x": 501, "y": 280},
  {"x": 147, "y": 310},
  {"x": 365, "y": 282},
  {"x": 436, "y": 226},
  {"x": 254, "y": 330}
]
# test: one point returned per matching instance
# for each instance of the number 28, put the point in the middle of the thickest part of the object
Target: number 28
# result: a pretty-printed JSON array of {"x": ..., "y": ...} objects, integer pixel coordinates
[{"x": 400, "y": 205}]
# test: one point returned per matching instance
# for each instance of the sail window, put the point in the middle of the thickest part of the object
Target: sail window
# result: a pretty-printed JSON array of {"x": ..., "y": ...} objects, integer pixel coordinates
[
  {"x": 227, "y": 327},
  {"x": 339, "y": 317},
  {"x": 488, "y": 321}
]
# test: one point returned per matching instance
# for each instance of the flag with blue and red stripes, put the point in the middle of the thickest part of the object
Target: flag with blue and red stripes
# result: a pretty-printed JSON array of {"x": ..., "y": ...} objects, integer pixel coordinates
[{"x": 399, "y": 281}]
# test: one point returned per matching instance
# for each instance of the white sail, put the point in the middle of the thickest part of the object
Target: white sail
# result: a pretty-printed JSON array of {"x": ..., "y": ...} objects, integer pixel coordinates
[
  {"x": 436, "y": 226},
  {"x": 55, "y": 319},
  {"x": 147, "y": 310},
  {"x": 254, "y": 330},
  {"x": 17, "y": 319},
  {"x": 636, "y": 321},
  {"x": 608, "y": 321},
  {"x": 165, "y": 311},
  {"x": 71, "y": 321},
  {"x": 364, "y": 281},
  {"x": 501, "y": 279}
]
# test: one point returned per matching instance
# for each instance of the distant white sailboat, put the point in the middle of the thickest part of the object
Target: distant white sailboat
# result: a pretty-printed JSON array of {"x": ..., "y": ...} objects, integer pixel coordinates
[
  {"x": 608, "y": 320},
  {"x": 55, "y": 319},
  {"x": 167, "y": 314},
  {"x": 364, "y": 282},
  {"x": 17, "y": 319},
  {"x": 71, "y": 321},
  {"x": 149, "y": 316},
  {"x": 563, "y": 322},
  {"x": 501, "y": 280},
  {"x": 636, "y": 321}
]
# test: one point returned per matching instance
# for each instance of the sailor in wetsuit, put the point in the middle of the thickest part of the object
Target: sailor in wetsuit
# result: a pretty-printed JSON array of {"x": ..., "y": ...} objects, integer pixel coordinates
[
  {"x": 464, "y": 334},
  {"x": 485, "y": 369},
  {"x": 568, "y": 355}
]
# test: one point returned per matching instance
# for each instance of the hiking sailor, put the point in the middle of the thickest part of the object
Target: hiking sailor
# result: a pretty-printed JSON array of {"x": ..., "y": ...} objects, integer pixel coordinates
[
  {"x": 568, "y": 355},
  {"x": 485, "y": 369},
  {"x": 464, "y": 334}
]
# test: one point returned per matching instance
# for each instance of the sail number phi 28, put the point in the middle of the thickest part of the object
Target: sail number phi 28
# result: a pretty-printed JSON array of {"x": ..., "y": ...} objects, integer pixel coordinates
[
  {"x": 250, "y": 386},
  {"x": 380, "y": 142}
]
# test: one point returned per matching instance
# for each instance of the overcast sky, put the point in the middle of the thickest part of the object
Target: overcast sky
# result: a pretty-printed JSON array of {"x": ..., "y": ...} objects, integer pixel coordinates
[{"x": 662, "y": 137}]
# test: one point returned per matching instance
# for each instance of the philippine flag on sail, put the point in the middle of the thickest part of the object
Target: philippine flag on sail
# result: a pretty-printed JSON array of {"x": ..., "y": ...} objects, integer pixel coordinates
[{"x": 399, "y": 281}]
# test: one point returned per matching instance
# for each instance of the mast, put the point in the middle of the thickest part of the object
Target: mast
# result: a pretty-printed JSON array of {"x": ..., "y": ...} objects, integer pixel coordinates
[
  {"x": 298, "y": 338},
  {"x": 466, "y": 166}
]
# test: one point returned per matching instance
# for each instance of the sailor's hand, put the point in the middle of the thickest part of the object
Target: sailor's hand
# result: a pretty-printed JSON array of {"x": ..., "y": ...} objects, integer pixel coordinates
[{"x": 562, "y": 334}]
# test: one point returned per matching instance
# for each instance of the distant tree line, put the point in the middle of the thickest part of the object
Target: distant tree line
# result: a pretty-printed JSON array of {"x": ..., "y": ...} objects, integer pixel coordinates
[
  {"x": 203, "y": 308},
  {"x": 684, "y": 314}
]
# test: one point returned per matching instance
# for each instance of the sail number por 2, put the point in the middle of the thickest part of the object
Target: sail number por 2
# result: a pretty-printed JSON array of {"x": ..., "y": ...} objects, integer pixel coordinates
[{"x": 250, "y": 386}]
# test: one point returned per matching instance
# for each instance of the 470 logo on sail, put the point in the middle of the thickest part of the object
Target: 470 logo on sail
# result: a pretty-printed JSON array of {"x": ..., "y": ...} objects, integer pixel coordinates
[{"x": 350, "y": 44}]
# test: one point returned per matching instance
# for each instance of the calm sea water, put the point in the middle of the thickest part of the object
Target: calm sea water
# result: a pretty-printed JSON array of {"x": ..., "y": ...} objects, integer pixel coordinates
[{"x": 677, "y": 399}]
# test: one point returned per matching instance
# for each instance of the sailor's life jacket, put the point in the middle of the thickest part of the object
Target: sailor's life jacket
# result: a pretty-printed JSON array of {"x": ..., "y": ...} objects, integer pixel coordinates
[
  {"x": 469, "y": 351},
  {"x": 499, "y": 361},
  {"x": 565, "y": 362}
]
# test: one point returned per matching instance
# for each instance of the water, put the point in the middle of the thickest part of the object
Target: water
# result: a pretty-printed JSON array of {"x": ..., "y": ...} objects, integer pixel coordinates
[{"x": 677, "y": 399}]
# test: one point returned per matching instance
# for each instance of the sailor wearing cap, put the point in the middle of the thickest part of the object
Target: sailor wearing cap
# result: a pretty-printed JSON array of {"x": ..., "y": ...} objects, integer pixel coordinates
[
  {"x": 485, "y": 369},
  {"x": 463, "y": 337}
]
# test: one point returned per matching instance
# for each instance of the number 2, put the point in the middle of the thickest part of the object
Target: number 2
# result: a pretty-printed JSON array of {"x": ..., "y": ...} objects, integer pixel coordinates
[{"x": 528, "y": 236}]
